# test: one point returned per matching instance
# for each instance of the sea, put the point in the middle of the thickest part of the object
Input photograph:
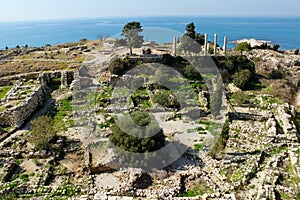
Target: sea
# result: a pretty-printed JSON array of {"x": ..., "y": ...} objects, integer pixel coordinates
[{"x": 284, "y": 31}]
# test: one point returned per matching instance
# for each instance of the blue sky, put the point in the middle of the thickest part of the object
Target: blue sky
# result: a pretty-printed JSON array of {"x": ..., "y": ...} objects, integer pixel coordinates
[{"x": 12, "y": 10}]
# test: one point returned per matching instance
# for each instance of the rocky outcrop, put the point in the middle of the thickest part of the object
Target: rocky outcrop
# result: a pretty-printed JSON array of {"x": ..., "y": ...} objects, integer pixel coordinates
[{"x": 285, "y": 115}]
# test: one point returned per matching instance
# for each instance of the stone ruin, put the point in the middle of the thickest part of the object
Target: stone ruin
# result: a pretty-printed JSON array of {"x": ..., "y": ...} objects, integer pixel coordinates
[{"x": 28, "y": 94}]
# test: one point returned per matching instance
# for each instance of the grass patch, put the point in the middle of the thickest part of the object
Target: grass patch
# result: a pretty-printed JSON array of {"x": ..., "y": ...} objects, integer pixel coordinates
[
  {"x": 204, "y": 122},
  {"x": 238, "y": 175},
  {"x": 66, "y": 190},
  {"x": 24, "y": 177},
  {"x": 107, "y": 123},
  {"x": 222, "y": 140},
  {"x": 198, "y": 147},
  {"x": 284, "y": 195},
  {"x": 192, "y": 193},
  {"x": 63, "y": 109},
  {"x": 4, "y": 90},
  {"x": 198, "y": 189}
]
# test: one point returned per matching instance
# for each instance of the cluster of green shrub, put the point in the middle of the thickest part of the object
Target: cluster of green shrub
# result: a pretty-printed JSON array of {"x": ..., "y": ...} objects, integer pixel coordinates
[
  {"x": 145, "y": 136},
  {"x": 137, "y": 141},
  {"x": 119, "y": 66},
  {"x": 241, "y": 69},
  {"x": 245, "y": 46},
  {"x": 42, "y": 132},
  {"x": 166, "y": 99}
]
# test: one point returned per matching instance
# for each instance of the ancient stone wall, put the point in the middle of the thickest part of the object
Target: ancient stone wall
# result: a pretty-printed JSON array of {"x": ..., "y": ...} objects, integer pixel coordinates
[
  {"x": 17, "y": 115},
  {"x": 147, "y": 59}
]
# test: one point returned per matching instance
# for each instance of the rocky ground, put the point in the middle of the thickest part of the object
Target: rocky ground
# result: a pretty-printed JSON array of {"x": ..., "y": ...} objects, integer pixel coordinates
[{"x": 259, "y": 159}]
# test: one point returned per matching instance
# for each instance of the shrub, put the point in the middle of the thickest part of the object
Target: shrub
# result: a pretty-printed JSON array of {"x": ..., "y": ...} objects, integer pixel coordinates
[
  {"x": 147, "y": 51},
  {"x": 296, "y": 52},
  {"x": 239, "y": 98},
  {"x": 24, "y": 177},
  {"x": 276, "y": 74},
  {"x": 166, "y": 99},
  {"x": 211, "y": 49},
  {"x": 236, "y": 63},
  {"x": 118, "y": 66},
  {"x": 137, "y": 141},
  {"x": 275, "y": 47},
  {"x": 140, "y": 139},
  {"x": 42, "y": 132},
  {"x": 242, "y": 78},
  {"x": 191, "y": 72},
  {"x": 168, "y": 60}
]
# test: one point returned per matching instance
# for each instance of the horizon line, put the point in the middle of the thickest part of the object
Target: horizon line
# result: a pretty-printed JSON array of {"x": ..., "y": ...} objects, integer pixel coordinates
[{"x": 146, "y": 16}]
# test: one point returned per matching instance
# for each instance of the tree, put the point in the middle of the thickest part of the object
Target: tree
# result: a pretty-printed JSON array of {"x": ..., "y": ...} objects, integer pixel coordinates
[
  {"x": 200, "y": 38},
  {"x": 191, "y": 41},
  {"x": 131, "y": 31},
  {"x": 190, "y": 30},
  {"x": 42, "y": 132},
  {"x": 243, "y": 46}
]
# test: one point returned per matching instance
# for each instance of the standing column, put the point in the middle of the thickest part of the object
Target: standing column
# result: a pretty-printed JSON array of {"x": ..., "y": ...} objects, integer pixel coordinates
[
  {"x": 215, "y": 43},
  {"x": 205, "y": 43},
  {"x": 64, "y": 79},
  {"x": 225, "y": 44},
  {"x": 174, "y": 45}
]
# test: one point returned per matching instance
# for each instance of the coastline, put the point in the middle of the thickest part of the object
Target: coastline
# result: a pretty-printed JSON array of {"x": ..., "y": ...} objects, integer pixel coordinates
[{"x": 279, "y": 30}]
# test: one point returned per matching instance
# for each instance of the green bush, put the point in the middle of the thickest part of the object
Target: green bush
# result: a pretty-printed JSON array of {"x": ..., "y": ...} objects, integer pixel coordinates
[
  {"x": 242, "y": 78},
  {"x": 168, "y": 60},
  {"x": 139, "y": 139},
  {"x": 42, "y": 132},
  {"x": 276, "y": 74},
  {"x": 118, "y": 66},
  {"x": 136, "y": 141},
  {"x": 192, "y": 73},
  {"x": 166, "y": 99},
  {"x": 24, "y": 177},
  {"x": 239, "y": 98}
]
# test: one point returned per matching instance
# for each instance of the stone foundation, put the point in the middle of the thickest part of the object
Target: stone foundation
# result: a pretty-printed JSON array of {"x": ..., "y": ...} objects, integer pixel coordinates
[{"x": 17, "y": 115}]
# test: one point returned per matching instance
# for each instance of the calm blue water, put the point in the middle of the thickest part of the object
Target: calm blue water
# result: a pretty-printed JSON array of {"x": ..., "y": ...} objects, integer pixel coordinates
[{"x": 285, "y": 31}]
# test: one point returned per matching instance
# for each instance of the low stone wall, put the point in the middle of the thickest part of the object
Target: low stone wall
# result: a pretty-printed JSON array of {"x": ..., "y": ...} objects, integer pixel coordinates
[
  {"x": 147, "y": 59},
  {"x": 17, "y": 115},
  {"x": 5, "y": 81}
]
